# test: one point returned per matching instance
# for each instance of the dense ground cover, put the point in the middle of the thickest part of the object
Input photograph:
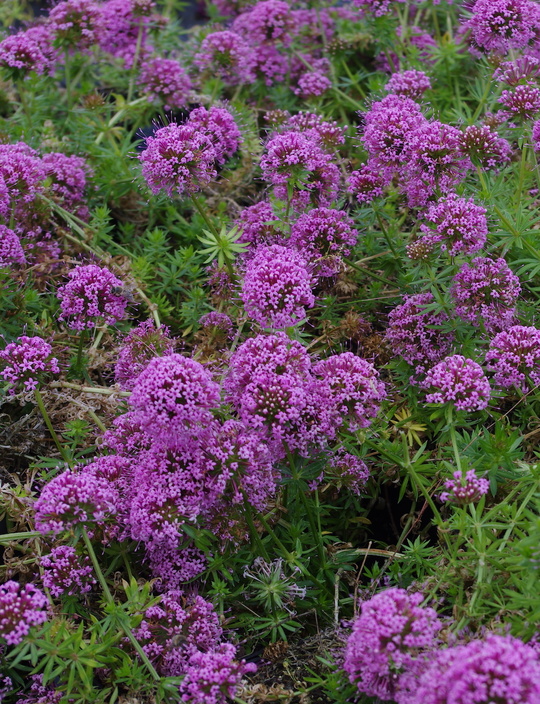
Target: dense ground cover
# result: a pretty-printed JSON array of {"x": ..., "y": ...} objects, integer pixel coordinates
[{"x": 269, "y": 353}]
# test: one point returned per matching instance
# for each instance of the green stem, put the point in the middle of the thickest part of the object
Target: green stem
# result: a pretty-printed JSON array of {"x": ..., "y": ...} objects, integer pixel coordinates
[
  {"x": 253, "y": 528},
  {"x": 110, "y": 599},
  {"x": 135, "y": 61},
  {"x": 386, "y": 236},
  {"x": 79, "y": 365},
  {"x": 43, "y": 410},
  {"x": 453, "y": 437},
  {"x": 519, "y": 190},
  {"x": 382, "y": 279},
  {"x": 204, "y": 216}
]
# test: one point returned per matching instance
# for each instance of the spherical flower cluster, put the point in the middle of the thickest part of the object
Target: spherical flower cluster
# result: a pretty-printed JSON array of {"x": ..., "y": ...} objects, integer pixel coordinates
[
  {"x": 434, "y": 162},
  {"x": 388, "y": 126},
  {"x": 502, "y": 25},
  {"x": 89, "y": 298},
  {"x": 277, "y": 287},
  {"x": 354, "y": 386},
  {"x": 21, "y": 54},
  {"x": 312, "y": 84},
  {"x": 484, "y": 146},
  {"x": 409, "y": 84},
  {"x": 377, "y": 8},
  {"x": 227, "y": 55},
  {"x": 294, "y": 161},
  {"x": 258, "y": 225},
  {"x": 21, "y": 607},
  {"x": 165, "y": 82},
  {"x": 76, "y": 23},
  {"x": 22, "y": 170},
  {"x": 217, "y": 322},
  {"x": 415, "y": 333},
  {"x": 178, "y": 159},
  {"x": 485, "y": 292},
  {"x": 324, "y": 235},
  {"x": 522, "y": 102},
  {"x": 366, "y": 183},
  {"x": 457, "y": 224},
  {"x": 66, "y": 572},
  {"x": 389, "y": 637},
  {"x": 74, "y": 498},
  {"x": 68, "y": 177},
  {"x": 496, "y": 669},
  {"x": 213, "y": 677},
  {"x": 346, "y": 470},
  {"x": 125, "y": 30},
  {"x": 463, "y": 490},
  {"x": 270, "y": 64},
  {"x": 11, "y": 250},
  {"x": 328, "y": 134},
  {"x": 459, "y": 381},
  {"x": 514, "y": 358},
  {"x": 27, "y": 360},
  {"x": 268, "y": 21},
  {"x": 174, "y": 390},
  {"x": 522, "y": 70},
  {"x": 140, "y": 345},
  {"x": 220, "y": 127}
]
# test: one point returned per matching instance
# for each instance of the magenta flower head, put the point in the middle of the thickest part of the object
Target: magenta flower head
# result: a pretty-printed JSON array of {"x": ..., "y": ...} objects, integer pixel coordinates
[
  {"x": 213, "y": 677},
  {"x": 502, "y": 25},
  {"x": 457, "y": 225},
  {"x": 496, "y": 669},
  {"x": 514, "y": 358},
  {"x": 324, "y": 235},
  {"x": 355, "y": 387},
  {"x": 415, "y": 333},
  {"x": 463, "y": 490},
  {"x": 68, "y": 177},
  {"x": 20, "y": 55},
  {"x": 389, "y": 638},
  {"x": 178, "y": 159},
  {"x": 175, "y": 390},
  {"x": 484, "y": 146},
  {"x": 89, "y": 298},
  {"x": 11, "y": 250},
  {"x": 329, "y": 135},
  {"x": 295, "y": 162},
  {"x": 75, "y": 498},
  {"x": 521, "y": 102},
  {"x": 21, "y": 607},
  {"x": 227, "y": 55},
  {"x": 459, "y": 381},
  {"x": 277, "y": 287},
  {"x": 269, "y": 21},
  {"x": 259, "y": 226},
  {"x": 76, "y": 24},
  {"x": 485, "y": 292},
  {"x": 312, "y": 84},
  {"x": 536, "y": 136},
  {"x": 346, "y": 470},
  {"x": 409, "y": 84},
  {"x": 165, "y": 82},
  {"x": 66, "y": 572},
  {"x": 220, "y": 127},
  {"x": 27, "y": 361},
  {"x": 366, "y": 184},
  {"x": 376, "y": 8},
  {"x": 140, "y": 345}
]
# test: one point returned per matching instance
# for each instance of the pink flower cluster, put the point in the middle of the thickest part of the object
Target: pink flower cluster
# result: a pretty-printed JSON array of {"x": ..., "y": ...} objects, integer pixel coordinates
[
  {"x": 165, "y": 82},
  {"x": 76, "y": 23},
  {"x": 458, "y": 381},
  {"x": 139, "y": 347},
  {"x": 27, "y": 361},
  {"x": 227, "y": 55},
  {"x": 502, "y": 25},
  {"x": 89, "y": 298},
  {"x": 259, "y": 225},
  {"x": 66, "y": 572},
  {"x": 346, "y": 470},
  {"x": 484, "y": 146},
  {"x": 514, "y": 358},
  {"x": 21, "y": 607},
  {"x": 409, "y": 84},
  {"x": 464, "y": 489}
]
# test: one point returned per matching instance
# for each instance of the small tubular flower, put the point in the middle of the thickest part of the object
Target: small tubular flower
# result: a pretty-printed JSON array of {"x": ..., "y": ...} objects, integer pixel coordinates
[
  {"x": 64, "y": 571},
  {"x": 21, "y": 607},
  {"x": 463, "y": 490},
  {"x": 27, "y": 360},
  {"x": 459, "y": 381},
  {"x": 165, "y": 82},
  {"x": 514, "y": 358}
]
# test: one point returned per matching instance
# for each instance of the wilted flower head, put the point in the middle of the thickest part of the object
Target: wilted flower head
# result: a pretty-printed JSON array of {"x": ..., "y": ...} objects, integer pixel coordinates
[
  {"x": 174, "y": 390},
  {"x": 21, "y": 607},
  {"x": 227, "y": 55},
  {"x": 501, "y": 25},
  {"x": 366, "y": 183},
  {"x": 76, "y": 23},
  {"x": 458, "y": 381},
  {"x": 90, "y": 298},
  {"x": 463, "y": 490},
  {"x": 27, "y": 361},
  {"x": 390, "y": 637},
  {"x": 140, "y": 345},
  {"x": 11, "y": 250},
  {"x": 74, "y": 498},
  {"x": 415, "y": 333},
  {"x": 213, "y": 677},
  {"x": 498, "y": 668},
  {"x": 324, "y": 235},
  {"x": 409, "y": 84},
  {"x": 165, "y": 82},
  {"x": 485, "y": 292},
  {"x": 64, "y": 571},
  {"x": 514, "y": 357},
  {"x": 484, "y": 146},
  {"x": 294, "y": 161},
  {"x": 354, "y": 385},
  {"x": 277, "y": 287},
  {"x": 220, "y": 127}
]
